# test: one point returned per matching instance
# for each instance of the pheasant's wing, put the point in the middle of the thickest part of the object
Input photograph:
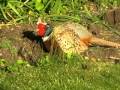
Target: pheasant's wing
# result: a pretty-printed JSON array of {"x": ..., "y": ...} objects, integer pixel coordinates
[
  {"x": 69, "y": 42},
  {"x": 80, "y": 30}
]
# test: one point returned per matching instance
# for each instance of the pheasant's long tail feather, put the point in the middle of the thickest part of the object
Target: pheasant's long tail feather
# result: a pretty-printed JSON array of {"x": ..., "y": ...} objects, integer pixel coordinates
[{"x": 103, "y": 42}]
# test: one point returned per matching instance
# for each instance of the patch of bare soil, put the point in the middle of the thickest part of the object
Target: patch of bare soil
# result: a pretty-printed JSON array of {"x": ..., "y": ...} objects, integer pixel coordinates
[{"x": 20, "y": 42}]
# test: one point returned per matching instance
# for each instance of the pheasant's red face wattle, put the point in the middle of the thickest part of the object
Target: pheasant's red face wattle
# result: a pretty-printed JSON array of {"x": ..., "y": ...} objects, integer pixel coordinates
[{"x": 41, "y": 29}]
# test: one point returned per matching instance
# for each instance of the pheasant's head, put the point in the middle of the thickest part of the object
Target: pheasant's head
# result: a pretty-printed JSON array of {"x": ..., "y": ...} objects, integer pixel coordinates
[{"x": 43, "y": 30}]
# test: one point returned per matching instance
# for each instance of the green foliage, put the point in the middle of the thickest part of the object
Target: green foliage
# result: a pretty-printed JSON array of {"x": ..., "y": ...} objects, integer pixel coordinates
[
  {"x": 7, "y": 44},
  {"x": 38, "y": 5},
  {"x": 2, "y": 62},
  {"x": 30, "y": 10}
]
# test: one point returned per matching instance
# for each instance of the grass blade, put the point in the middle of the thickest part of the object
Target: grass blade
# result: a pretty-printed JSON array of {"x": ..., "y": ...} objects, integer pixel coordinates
[
  {"x": 14, "y": 9},
  {"x": 4, "y": 15}
]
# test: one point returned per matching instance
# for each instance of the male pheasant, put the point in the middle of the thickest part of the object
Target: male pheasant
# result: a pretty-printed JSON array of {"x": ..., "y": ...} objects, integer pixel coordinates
[{"x": 73, "y": 37}]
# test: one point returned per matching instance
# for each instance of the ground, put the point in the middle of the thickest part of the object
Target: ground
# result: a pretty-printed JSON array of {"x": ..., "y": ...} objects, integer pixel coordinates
[
  {"x": 20, "y": 42},
  {"x": 16, "y": 45}
]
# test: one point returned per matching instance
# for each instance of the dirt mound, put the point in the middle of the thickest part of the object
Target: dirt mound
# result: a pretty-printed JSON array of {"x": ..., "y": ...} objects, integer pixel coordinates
[{"x": 20, "y": 42}]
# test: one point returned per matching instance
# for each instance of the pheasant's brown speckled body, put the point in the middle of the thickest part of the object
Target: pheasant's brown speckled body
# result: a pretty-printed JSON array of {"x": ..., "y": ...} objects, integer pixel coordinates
[{"x": 75, "y": 38}]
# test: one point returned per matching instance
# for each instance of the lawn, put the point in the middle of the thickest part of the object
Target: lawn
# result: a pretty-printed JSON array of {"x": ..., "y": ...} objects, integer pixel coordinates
[{"x": 53, "y": 73}]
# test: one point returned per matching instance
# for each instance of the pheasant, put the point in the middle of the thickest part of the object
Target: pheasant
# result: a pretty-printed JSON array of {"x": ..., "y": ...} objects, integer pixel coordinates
[{"x": 71, "y": 37}]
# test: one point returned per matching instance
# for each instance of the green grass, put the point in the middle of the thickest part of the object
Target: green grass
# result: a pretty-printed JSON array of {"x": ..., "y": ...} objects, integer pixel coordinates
[
  {"x": 53, "y": 73},
  {"x": 5, "y": 43},
  {"x": 29, "y": 10},
  {"x": 8, "y": 44}
]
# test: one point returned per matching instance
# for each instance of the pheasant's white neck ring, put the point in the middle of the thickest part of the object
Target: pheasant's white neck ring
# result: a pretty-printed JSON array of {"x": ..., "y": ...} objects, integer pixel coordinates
[{"x": 46, "y": 38}]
